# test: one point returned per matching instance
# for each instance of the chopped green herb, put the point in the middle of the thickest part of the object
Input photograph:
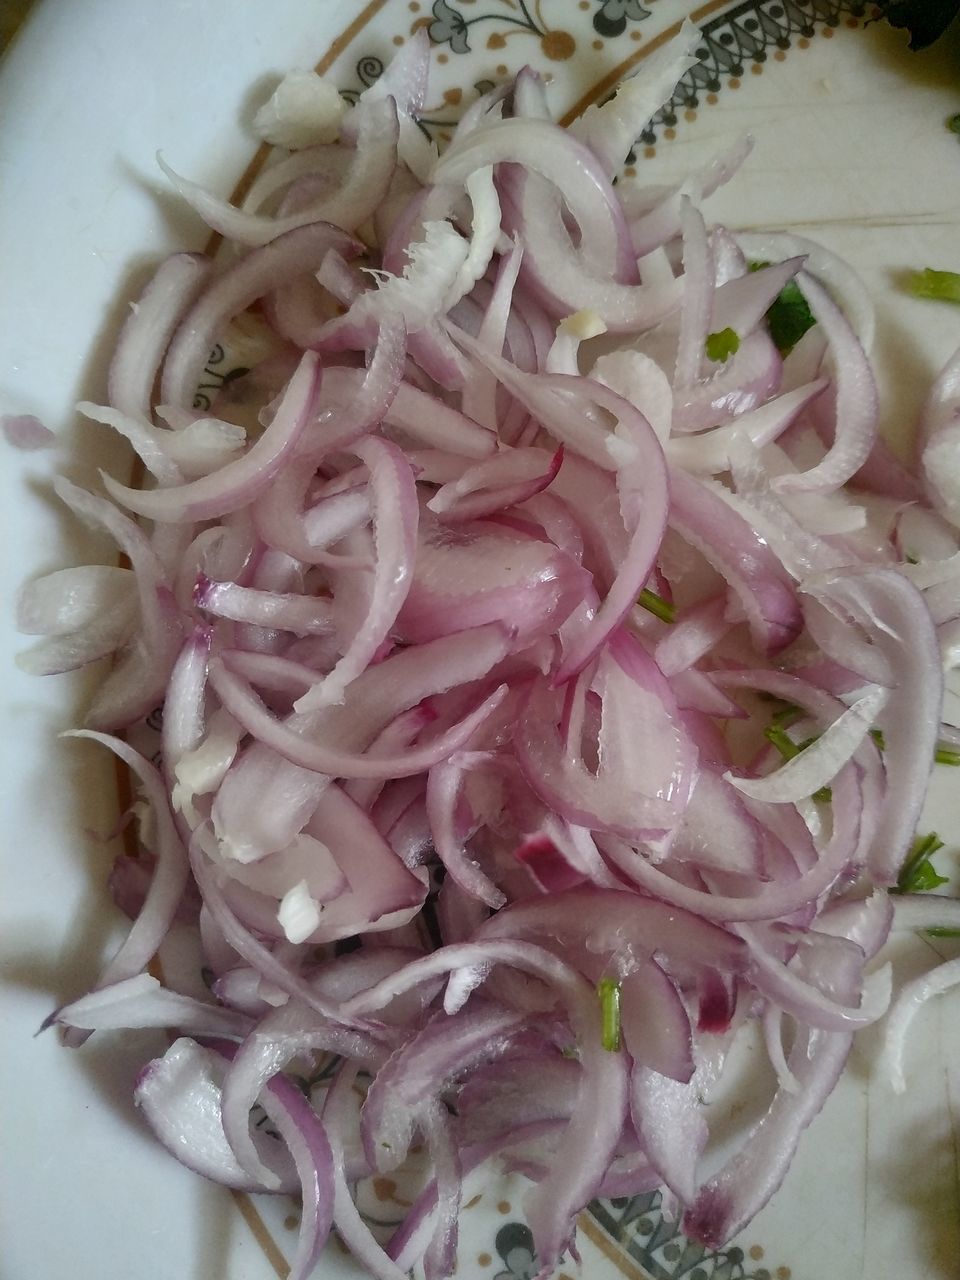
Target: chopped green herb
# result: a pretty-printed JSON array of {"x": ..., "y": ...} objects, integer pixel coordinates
[
  {"x": 953, "y": 123},
  {"x": 721, "y": 346},
  {"x": 947, "y": 755},
  {"x": 788, "y": 317},
  {"x": 917, "y": 874},
  {"x": 911, "y": 559},
  {"x": 656, "y": 605},
  {"x": 787, "y": 716},
  {"x": 877, "y": 736},
  {"x": 939, "y": 931},
  {"x": 608, "y": 990},
  {"x": 944, "y": 286},
  {"x": 778, "y": 737}
]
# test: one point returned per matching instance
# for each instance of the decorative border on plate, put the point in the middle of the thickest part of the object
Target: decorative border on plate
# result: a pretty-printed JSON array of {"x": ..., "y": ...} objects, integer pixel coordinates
[{"x": 738, "y": 41}]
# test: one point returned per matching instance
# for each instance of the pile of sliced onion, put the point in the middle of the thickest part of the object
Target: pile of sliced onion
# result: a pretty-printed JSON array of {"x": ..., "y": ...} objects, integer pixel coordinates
[{"x": 438, "y": 794}]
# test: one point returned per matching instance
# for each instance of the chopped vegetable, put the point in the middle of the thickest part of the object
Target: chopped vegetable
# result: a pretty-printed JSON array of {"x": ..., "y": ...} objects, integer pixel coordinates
[
  {"x": 608, "y": 990},
  {"x": 721, "y": 346},
  {"x": 789, "y": 315},
  {"x": 918, "y": 874},
  {"x": 656, "y": 605},
  {"x": 944, "y": 286}
]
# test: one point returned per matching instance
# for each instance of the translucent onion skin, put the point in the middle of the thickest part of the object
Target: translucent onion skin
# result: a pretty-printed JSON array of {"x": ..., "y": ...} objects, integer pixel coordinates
[{"x": 532, "y": 718}]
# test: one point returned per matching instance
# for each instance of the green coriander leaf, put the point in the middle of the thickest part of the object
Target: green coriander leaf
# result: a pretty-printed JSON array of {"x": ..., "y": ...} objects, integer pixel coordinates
[
  {"x": 947, "y": 755},
  {"x": 939, "y": 931},
  {"x": 877, "y": 736},
  {"x": 943, "y": 286},
  {"x": 787, "y": 716},
  {"x": 608, "y": 991},
  {"x": 953, "y": 123},
  {"x": 656, "y": 605},
  {"x": 721, "y": 346},
  {"x": 925, "y": 878},
  {"x": 789, "y": 318},
  {"x": 916, "y": 874}
]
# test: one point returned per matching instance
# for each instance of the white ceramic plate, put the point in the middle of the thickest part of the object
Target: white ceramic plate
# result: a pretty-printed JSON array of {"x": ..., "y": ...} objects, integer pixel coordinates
[{"x": 850, "y": 148}]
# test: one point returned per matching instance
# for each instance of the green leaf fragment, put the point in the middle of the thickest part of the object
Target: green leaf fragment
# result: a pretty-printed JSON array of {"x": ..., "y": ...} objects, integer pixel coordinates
[
  {"x": 779, "y": 738},
  {"x": 917, "y": 875},
  {"x": 947, "y": 755},
  {"x": 656, "y": 605},
  {"x": 788, "y": 317},
  {"x": 943, "y": 286},
  {"x": 608, "y": 991},
  {"x": 721, "y": 346},
  {"x": 877, "y": 736},
  {"x": 940, "y": 931},
  {"x": 787, "y": 716}
]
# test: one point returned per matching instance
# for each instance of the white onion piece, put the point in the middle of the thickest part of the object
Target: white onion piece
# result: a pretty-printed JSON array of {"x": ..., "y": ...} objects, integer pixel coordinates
[{"x": 611, "y": 130}]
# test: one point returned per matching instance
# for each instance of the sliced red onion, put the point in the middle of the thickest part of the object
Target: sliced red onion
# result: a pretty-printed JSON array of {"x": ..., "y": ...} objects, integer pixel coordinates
[
  {"x": 703, "y": 518},
  {"x": 696, "y": 311},
  {"x": 926, "y": 911},
  {"x": 443, "y": 793},
  {"x": 303, "y": 615},
  {"x": 815, "y": 766},
  {"x": 350, "y": 1226},
  {"x": 395, "y": 518},
  {"x": 741, "y": 386},
  {"x": 139, "y": 1002},
  {"x": 766, "y": 903},
  {"x": 280, "y": 262},
  {"x": 565, "y": 163},
  {"x": 148, "y": 330},
  {"x": 561, "y": 282},
  {"x": 352, "y": 203},
  {"x": 170, "y": 873},
  {"x": 671, "y": 1126},
  {"x": 857, "y": 407},
  {"x": 602, "y": 920},
  {"x": 891, "y": 611},
  {"x": 304, "y": 1134},
  {"x": 323, "y": 759},
  {"x": 239, "y": 482},
  {"x": 180, "y": 1097},
  {"x": 279, "y": 1038},
  {"x": 610, "y": 130},
  {"x": 420, "y": 1070},
  {"x": 828, "y": 268},
  {"x": 742, "y": 302},
  {"x": 729, "y": 1199}
]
